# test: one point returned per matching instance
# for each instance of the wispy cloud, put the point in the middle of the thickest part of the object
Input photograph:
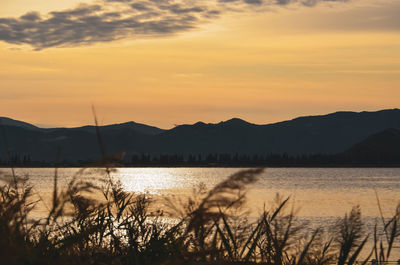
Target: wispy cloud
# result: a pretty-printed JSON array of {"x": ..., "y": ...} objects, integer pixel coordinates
[{"x": 110, "y": 20}]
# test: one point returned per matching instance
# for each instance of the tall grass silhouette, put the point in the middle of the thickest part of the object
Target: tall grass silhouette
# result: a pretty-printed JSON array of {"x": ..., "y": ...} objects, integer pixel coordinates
[{"x": 121, "y": 228}]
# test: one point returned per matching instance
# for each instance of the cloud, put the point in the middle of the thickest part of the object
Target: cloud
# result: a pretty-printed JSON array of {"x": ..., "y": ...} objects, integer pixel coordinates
[{"x": 110, "y": 20}]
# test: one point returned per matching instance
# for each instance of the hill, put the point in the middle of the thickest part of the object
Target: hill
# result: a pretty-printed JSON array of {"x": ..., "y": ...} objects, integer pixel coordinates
[
  {"x": 10, "y": 122},
  {"x": 382, "y": 147},
  {"x": 326, "y": 134},
  {"x": 332, "y": 133}
]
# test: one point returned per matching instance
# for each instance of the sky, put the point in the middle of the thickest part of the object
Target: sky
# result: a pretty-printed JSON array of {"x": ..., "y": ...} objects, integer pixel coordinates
[{"x": 168, "y": 62}]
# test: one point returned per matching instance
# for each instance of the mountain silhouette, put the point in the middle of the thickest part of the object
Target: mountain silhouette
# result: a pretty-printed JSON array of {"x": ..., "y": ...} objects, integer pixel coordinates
[
  {"x": 10, "y": 122},
  {"x": 327, "y": 134},
  {"x": 141, "y": 128},
  {"x": 382, "y": 147},
  {"x": 332, "y": 133}
]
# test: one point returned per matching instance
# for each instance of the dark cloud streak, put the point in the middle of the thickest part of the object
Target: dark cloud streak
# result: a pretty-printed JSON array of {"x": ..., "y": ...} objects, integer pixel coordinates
[{"x": 111, "y": 20}]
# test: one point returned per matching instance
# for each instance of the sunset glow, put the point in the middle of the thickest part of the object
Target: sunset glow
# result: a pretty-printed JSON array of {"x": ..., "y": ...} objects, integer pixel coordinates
[{"x": 265, "y": 61}]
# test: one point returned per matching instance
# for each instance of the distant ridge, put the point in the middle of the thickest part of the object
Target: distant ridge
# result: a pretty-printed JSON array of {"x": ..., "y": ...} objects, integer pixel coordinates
[
  {"x": 235, "y": 122},
  {"x": 142, "y": 128},
  {"x": 383, "y": 146},
  {"x": 10, "y": 122},
  {"x": 323, "y": 134}
]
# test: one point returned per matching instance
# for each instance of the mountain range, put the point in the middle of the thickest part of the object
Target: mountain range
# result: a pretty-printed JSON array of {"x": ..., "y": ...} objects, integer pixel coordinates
[{"x": 338, "y": 132}]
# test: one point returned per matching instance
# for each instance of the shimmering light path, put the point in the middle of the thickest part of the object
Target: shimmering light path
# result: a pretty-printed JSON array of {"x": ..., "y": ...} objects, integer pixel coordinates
[{"x": 316, "y": 192}]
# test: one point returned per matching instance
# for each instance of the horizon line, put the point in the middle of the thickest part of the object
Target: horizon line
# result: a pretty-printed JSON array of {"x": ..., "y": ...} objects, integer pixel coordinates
[{"x": 42, "y": 126}]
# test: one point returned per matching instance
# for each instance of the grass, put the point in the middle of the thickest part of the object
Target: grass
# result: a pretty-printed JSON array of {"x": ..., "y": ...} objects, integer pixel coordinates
[{"x": 209, "y": 228}]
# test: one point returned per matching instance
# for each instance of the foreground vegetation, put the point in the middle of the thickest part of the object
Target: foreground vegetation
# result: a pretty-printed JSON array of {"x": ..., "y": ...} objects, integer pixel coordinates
[{"x": 209, "y": 228}]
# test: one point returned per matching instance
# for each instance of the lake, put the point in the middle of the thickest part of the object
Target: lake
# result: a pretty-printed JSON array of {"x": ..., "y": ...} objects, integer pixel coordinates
[
  {"x": 317, "y": 192},
  {"x": 321, "y": 195}
]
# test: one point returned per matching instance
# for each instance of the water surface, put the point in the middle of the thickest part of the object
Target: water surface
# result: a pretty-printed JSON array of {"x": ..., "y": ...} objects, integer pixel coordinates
[{"x": 316, "y": 192}]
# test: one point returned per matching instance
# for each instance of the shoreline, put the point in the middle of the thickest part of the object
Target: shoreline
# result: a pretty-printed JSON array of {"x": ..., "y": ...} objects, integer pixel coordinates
[{"x": 204, "y": 166}]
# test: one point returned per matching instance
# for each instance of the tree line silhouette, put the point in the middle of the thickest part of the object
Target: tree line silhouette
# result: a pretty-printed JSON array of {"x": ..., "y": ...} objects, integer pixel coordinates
[{"x": 219, "y": 160}]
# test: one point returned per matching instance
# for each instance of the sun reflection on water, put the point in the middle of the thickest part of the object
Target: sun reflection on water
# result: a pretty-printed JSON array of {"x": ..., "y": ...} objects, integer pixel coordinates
[
  {"x": 316, "y": 191},
  {"x": 153, "y": 180}
]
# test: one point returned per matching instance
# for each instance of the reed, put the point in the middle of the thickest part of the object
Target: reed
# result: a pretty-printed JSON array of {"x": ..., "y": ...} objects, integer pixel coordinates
[{"x": 209, "y": 228}]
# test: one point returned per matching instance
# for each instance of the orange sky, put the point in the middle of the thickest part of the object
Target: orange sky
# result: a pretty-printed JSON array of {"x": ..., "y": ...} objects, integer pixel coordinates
[{"x": 266, "y": 63}]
